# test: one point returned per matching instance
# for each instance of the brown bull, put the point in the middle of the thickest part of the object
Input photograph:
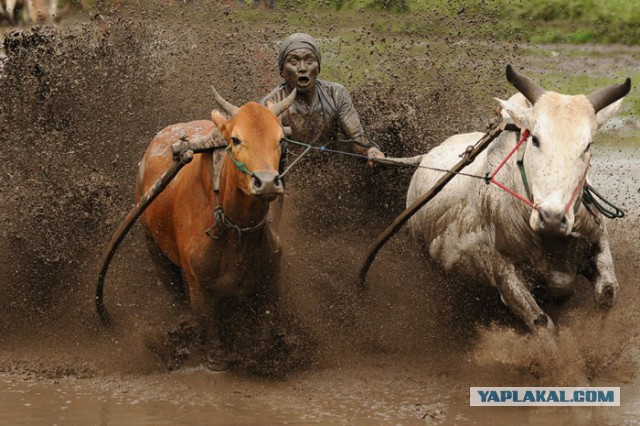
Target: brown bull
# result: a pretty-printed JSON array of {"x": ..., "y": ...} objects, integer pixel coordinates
[{"x": 221, "y": 240}]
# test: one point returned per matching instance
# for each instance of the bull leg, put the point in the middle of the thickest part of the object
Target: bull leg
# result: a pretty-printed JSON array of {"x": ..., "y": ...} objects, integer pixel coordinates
[
  {"x": 606, "y": 283},
  {"x": 197, "y": 297},
  {"x": 11, "y": 10},
  {"x": 518, "y": 298},
  {"x": 53, "y": 10}
]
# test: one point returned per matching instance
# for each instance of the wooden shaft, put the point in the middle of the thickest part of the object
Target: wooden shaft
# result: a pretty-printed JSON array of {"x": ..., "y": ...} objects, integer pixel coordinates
[{"x": 403, "y": 217}]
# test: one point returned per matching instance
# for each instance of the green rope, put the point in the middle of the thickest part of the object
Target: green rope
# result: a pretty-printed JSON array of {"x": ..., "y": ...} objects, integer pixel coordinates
[
  {"x": 592, "y": 198},
  {"x": 239, "y": 164},
  {"x": 524, "y": 179}
]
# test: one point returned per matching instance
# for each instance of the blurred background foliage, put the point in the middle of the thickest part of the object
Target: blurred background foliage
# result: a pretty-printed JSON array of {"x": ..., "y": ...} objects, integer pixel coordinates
[{"x": 572, "y": 21}]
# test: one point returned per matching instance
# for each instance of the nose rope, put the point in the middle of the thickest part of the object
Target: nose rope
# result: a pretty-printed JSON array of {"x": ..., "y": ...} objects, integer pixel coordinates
[
  {"x": 491, "y": 178},
  {"x": 219, "y": 218}
]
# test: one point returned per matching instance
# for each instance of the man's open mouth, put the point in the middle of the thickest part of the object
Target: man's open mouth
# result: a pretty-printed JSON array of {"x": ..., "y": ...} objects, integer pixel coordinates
[{"x": 303, "y": 81}]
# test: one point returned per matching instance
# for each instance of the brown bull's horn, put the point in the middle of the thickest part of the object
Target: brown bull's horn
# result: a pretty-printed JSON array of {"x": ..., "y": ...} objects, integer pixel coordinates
[
  {"x": 281, "y": 106},
  {"x": 605, "y": 97},
  {"x": 226, "y": 106},
  {"x": 529, "y": 88}
]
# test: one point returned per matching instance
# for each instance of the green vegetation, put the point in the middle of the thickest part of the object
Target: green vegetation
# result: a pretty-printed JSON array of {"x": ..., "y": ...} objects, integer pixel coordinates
[{"x": 537, "y": 21}]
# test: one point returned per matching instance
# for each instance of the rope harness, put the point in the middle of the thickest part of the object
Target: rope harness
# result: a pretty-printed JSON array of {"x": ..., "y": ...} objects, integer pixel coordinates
[
  {"x": 592, "y": 200},
  {"x": 219, "y": 217},
  {"x": 529, "y": 199}
]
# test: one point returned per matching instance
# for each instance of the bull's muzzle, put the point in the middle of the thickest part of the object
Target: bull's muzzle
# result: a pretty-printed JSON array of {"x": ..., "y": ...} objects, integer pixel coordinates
[
  {"x": 266, "y": 185},
  {"x": 554, "y": 221}
]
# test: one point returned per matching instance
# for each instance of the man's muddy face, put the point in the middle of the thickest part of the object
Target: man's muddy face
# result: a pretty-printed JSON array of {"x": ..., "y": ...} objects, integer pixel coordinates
[{"x": 300, "y": 69}]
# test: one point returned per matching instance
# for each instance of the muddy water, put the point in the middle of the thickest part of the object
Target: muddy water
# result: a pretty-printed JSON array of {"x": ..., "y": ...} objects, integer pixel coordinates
[
  {"x": 383, "y": 394},
  {"x": 383, "y": 388}
]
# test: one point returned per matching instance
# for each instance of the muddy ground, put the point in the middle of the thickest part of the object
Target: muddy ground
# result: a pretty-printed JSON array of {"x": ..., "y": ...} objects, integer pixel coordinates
[{"x": 78, "y": 105}]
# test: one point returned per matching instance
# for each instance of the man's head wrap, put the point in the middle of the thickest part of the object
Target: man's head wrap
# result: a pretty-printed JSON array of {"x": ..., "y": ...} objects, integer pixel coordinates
[{"x": 298, "y": 41}]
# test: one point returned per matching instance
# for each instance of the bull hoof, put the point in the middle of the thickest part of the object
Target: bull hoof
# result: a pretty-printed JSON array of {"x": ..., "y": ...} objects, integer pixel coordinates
[
  {"x": 171, "y": 355},
  {"x": 542, "y": 323},
  {"x": 606, "y": 296},
  {"x": 172, "y": 346}
]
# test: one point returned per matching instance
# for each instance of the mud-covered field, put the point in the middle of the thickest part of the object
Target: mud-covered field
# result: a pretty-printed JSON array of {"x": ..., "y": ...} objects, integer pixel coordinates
[{"x": 80, "y": 102}]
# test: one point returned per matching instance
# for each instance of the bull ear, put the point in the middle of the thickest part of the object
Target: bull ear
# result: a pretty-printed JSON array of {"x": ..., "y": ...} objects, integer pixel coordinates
[
  {"x": 218, "y": 119},
  {"x": 607, "y": 112},
  {"x": 520, "y": 116}
]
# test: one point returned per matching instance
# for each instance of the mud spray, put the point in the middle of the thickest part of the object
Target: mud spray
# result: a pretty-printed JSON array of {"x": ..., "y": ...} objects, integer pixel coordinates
[{"x": 78, "y": 105}]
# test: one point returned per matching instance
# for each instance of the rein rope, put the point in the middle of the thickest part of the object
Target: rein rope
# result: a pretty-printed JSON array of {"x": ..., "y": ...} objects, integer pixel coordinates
[{"x": 591, "y": 199}]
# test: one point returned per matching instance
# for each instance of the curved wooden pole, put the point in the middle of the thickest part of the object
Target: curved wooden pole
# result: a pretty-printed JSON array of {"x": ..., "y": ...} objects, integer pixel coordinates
[
  {"x": 468, "y": 157},
  {"x": 182, "y": 155}
]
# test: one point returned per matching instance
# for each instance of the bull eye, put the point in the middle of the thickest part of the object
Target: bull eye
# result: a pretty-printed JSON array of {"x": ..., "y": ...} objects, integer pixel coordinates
[
  {"x": 235, "y": 141},
  {"x": 535, "y": 141}
]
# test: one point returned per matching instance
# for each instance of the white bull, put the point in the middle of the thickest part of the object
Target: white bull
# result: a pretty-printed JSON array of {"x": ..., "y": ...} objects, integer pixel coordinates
[{"x": 481, "y": 233}]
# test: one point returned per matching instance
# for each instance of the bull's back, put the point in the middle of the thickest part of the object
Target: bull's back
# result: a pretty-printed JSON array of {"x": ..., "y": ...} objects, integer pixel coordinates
[{"x": 160, "y": 217}]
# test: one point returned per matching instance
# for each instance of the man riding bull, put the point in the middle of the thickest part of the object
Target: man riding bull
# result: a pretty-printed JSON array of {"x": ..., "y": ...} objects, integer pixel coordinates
[{"x": 321, "y": 108}]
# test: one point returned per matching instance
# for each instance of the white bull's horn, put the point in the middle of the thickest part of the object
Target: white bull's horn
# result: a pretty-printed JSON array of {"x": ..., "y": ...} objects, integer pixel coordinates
[
  {"x": 226, "y": 106},
  {"x": 608, "y": 95},
  {"x": 281, "y": 106},
  {"x": 529, "y": 88}
]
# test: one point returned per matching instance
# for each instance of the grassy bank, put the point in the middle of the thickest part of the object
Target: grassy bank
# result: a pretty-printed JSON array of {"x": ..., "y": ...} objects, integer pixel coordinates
[{"x": 572, "y": 21}]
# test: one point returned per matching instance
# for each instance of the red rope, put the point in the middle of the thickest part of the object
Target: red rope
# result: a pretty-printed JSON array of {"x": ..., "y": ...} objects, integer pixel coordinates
[
  {"x": 580, "y": 184},
  {"x": 525, "y": 136},
  {"x": 515, "y": 194}
]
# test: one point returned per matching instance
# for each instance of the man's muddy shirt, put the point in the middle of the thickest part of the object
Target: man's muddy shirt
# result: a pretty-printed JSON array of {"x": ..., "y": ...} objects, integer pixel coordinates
[{"x": 321, "y": 123}]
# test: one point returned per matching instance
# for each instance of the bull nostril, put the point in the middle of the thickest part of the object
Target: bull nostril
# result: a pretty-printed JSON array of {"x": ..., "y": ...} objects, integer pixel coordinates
[
  {"x": 564, "y": 222},
  {"x": 257, "y": 183},
  {"x": 276, "y": 181}
]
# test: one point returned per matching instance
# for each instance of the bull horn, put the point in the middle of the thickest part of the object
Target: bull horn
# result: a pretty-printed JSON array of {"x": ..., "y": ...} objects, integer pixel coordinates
[
  {"x": 281, "y": 106},
  {"x": 529, "y": 88},
  {"x": 608, "y": 95},
  {"x": 226, "y": 106}
]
